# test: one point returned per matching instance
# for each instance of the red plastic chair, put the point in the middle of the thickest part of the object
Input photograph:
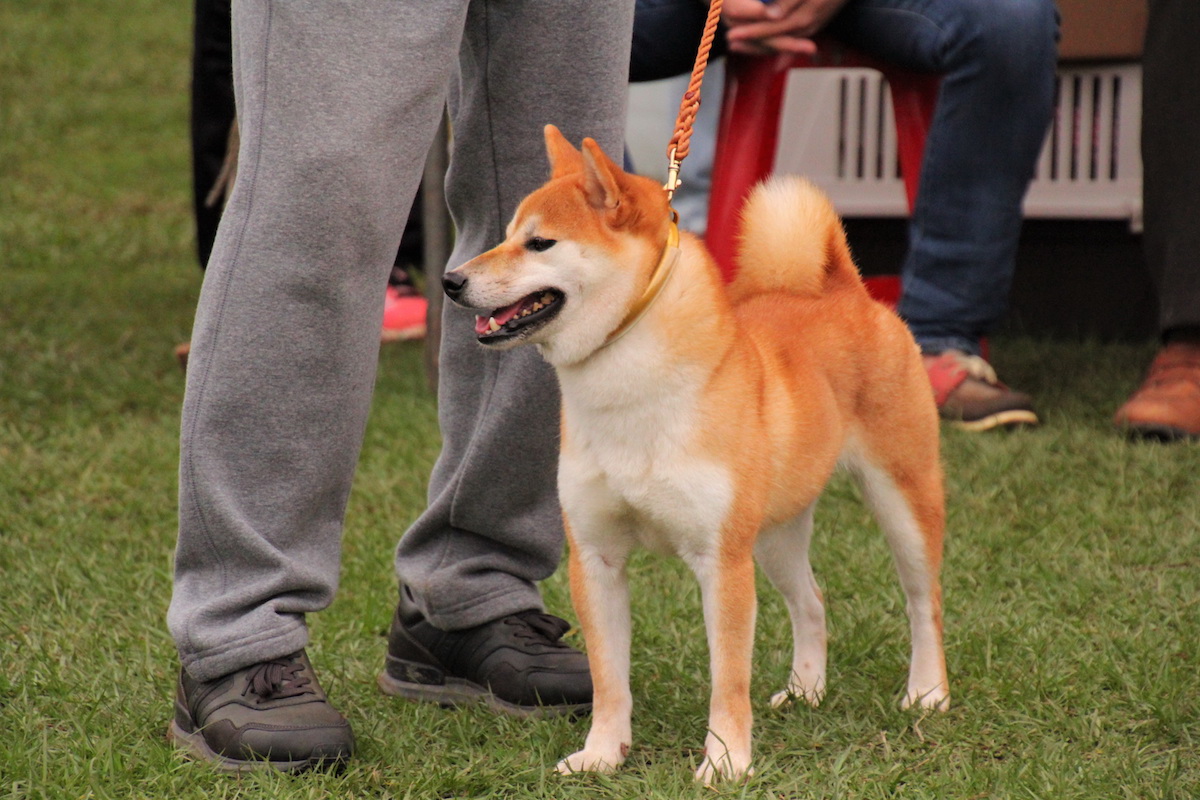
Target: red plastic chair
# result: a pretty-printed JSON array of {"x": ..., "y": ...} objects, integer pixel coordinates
[{"x": 749, "y": 132}]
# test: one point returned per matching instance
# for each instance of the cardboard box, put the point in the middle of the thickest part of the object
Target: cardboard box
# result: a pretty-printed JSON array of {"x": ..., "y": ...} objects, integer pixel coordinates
[{"x": 1102, "y": 29}]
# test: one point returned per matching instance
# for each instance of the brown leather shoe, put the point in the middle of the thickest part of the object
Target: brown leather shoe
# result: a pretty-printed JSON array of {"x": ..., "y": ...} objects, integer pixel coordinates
[{"x": 1167, "y": 404}]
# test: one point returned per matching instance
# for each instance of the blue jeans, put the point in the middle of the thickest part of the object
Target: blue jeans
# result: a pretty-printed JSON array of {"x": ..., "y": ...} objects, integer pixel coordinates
[{"x": 997, "y": 61}]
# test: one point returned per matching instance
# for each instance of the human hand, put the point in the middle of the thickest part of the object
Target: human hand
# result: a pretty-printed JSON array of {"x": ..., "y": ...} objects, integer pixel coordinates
[{"x": 779, "y": 26}]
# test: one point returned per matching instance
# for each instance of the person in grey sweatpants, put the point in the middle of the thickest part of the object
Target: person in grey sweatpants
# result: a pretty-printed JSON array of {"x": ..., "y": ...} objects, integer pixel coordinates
[{"x": 338, "y": 104}]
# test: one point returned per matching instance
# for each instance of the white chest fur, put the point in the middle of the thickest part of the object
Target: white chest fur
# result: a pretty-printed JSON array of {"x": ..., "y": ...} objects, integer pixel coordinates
[{"x": 632, "y": 471}]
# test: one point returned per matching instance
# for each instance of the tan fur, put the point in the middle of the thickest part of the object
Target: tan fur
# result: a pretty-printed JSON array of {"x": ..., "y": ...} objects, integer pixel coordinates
[
  {"x": 791, "y": 241},
  {"x": 711, "y": 428}
]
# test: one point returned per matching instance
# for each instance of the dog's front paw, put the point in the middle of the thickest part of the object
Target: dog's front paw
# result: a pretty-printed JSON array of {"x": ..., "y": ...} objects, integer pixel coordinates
[
  {"x": 724, "y": 765},
  {"x": 593, "y": 760},
  {"x": 724, "y": 769},
  {"x": 809, "y": 694},
  {"x": 935, "y": 699}
]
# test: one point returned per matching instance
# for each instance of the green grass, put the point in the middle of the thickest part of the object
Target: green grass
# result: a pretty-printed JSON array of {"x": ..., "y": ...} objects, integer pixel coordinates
[{"x": 1073, "y": 557}]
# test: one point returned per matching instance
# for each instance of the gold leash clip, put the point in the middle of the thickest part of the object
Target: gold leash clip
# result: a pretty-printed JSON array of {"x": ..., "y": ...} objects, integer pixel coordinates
[{"x": 672, "y": 176}]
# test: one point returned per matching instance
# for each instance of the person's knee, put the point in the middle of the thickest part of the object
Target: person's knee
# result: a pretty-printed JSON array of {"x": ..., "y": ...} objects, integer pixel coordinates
[
  {"x": 1017, "y": 36},
  {"x": 1011, "y": 44}
]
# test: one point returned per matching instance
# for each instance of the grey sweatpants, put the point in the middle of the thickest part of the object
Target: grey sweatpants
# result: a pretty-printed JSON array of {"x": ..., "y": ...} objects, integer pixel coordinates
[{"x": 338, "y": 102}]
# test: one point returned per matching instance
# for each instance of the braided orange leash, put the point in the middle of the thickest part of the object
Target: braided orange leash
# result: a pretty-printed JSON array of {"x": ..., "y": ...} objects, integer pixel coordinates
[{"x": 677, "y": 150}]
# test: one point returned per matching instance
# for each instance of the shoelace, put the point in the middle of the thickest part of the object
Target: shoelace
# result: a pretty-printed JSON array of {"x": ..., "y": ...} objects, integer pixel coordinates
[
  {"x": 537, "y": 625},
  {"x": 275, "y": 680},
  {"x": 975, "y": 366}
]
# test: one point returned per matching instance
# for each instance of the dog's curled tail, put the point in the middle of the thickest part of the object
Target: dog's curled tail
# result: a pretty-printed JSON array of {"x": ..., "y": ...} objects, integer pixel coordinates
[{"x": 791, "y": 241}]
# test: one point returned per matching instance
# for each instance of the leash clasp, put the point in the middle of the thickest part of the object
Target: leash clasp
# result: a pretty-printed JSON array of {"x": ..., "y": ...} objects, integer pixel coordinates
[{"x": 672, "y": 176}]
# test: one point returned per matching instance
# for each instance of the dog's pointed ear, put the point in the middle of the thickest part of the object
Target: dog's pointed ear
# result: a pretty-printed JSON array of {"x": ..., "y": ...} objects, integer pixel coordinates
[
  {"x": 564, "y": 158},
  {"x": 601, "y": 177}
]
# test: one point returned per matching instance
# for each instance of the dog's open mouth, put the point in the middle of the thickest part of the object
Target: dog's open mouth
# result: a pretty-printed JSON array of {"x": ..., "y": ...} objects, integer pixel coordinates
[{"x": 521, "y": 317}]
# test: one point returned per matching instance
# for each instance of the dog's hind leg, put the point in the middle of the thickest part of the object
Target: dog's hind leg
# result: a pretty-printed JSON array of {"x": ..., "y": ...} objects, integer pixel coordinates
[
  {"x": 782, "y": 552},
  {"x": 911, "y": 511}
]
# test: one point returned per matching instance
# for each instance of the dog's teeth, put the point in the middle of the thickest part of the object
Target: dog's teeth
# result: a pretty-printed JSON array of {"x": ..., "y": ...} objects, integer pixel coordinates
[
  {"x": 547, "y": 298},
  {"x": 493, "y": 326}
]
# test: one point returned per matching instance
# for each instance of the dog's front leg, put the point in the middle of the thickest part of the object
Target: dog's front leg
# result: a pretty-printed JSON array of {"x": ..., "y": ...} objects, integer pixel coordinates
[
  {"x": 727, "y": 588},
  {"x": 600, "y": 594}
]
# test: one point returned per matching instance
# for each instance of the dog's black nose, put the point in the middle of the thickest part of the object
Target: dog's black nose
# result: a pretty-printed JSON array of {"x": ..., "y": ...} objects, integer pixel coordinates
[{"x": 453, "y": 283}]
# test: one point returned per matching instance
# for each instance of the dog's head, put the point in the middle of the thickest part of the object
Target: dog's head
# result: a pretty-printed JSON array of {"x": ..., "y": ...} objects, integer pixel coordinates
[{"x": 577, "y": 256}]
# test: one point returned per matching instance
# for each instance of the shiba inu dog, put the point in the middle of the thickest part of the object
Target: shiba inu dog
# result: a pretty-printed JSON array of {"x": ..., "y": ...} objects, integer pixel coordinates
[{"x": 703, "y": 420}]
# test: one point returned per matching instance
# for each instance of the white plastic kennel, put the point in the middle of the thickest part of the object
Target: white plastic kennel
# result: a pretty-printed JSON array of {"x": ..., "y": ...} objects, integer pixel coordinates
[{"x": 837, "y": 129}]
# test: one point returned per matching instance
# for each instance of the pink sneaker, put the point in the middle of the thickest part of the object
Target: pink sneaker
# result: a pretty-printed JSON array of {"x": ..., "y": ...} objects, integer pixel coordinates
[
  {"x": 404, "y": 312},
  {"x": 971, "y": 397}
]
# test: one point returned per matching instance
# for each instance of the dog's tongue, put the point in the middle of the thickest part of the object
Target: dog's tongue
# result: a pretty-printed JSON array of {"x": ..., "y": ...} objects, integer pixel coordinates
[{"x": 483, "y": 324}]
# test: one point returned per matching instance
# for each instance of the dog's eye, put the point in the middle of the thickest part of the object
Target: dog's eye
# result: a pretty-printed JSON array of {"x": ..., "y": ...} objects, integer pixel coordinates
[{"x": 539, "y": 245}]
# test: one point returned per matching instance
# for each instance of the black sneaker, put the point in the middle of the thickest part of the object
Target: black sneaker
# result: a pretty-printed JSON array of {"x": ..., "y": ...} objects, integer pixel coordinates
[
  {"x": 269, "y": 715},
  {"x": 517, "y": 664}
]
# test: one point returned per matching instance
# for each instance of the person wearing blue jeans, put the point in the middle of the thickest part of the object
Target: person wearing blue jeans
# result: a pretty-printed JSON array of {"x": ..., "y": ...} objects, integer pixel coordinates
[{"x": 997, "y": 60}]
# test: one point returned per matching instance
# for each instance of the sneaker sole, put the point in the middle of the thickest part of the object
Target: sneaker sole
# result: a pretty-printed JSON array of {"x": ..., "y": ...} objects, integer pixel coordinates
[
  {"x": 1160, "y": 433},
  {"x": 1005, "y": 419},
  {"x": 388, "y": 336},
  {"x": 458, "y": 692},
  {"x": 194, "y": 746}
]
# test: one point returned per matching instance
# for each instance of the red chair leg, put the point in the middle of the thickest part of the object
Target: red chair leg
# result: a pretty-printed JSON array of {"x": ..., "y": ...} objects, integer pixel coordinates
[
  {"x": 913, "y": 99},
  {"x": 746, "y": 140},
  {"x": 749, "y": 133}
]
